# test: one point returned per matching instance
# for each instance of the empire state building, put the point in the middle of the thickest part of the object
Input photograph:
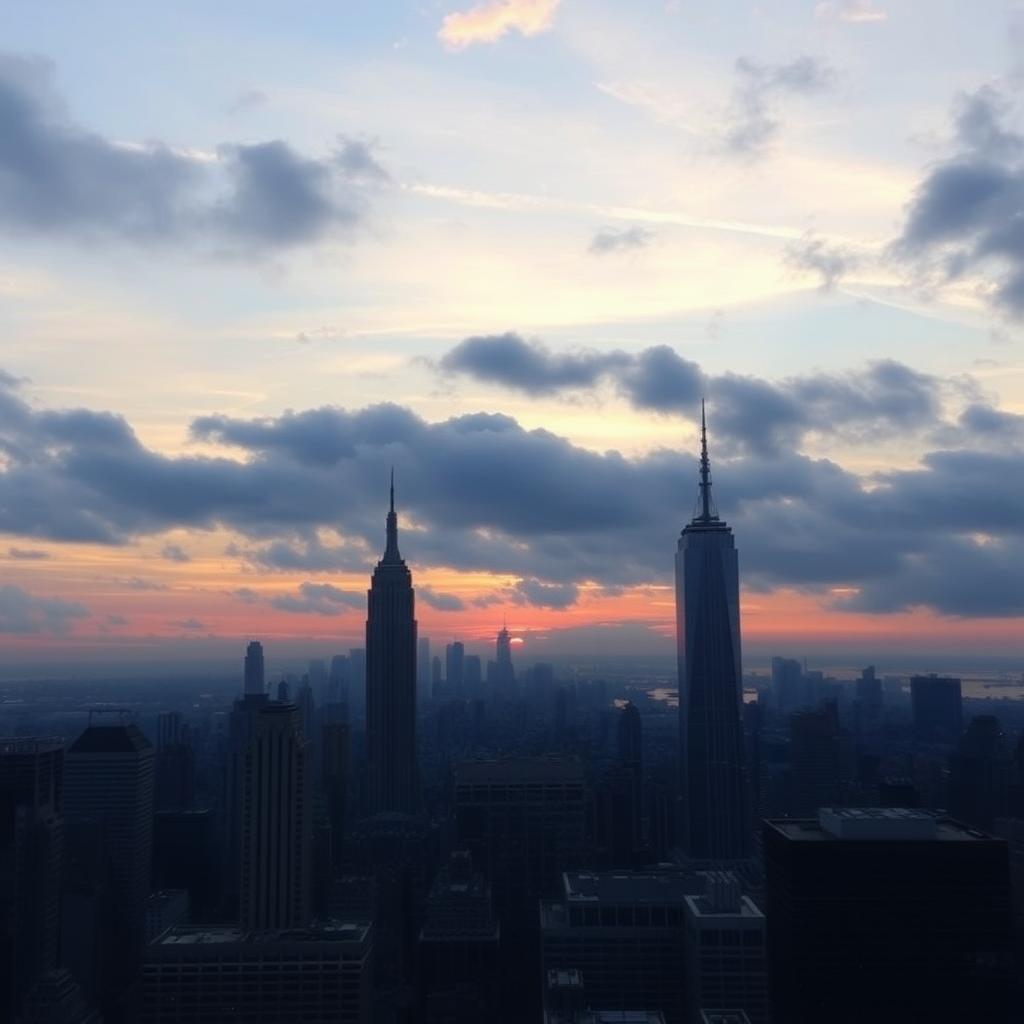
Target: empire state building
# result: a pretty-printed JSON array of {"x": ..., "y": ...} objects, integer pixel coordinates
[
  {"x": 714, "y": 815},
  {"x": 392, "y": 775}
]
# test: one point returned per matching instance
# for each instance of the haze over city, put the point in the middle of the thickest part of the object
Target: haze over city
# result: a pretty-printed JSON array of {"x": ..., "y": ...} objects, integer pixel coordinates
[{"x": 254, "y": 257}]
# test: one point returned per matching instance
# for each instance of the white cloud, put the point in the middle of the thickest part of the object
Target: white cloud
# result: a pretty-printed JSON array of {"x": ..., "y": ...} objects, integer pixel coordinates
[{"x": 488, "y": 22}]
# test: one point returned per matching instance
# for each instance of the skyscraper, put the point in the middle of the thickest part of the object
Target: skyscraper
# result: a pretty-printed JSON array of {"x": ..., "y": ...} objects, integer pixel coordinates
[
  {"x": 714, "y": 816},
  {"x": 108, "y": 780},
  {"x": 254, "y": 673},
  {"x": 277, "y": 820},
  {"x": 392, "y": 776},
  {"x": 31, "y": 835}
]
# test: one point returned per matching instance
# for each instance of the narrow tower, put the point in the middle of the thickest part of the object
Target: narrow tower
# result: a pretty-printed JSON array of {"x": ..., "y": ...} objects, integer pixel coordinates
[
  {"x": 392, "y": 776},
  {"x": 714, "y": 814}
]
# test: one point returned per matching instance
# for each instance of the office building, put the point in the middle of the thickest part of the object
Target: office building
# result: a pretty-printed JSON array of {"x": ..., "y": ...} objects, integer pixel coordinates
[
  {"x": 392, "y": 774},
  {"x": 31, "y": 835},
  {"x": 887, "y": 915},
  {"x": 726, "y": 958},
  {"x": 108, "y": 782},
  {"x": 276, "y": 820},
  {"x": 936, "y": 704},
  {"x": 623, "y": 933},
  {"x": 715, "y": 823},
  {"x": 318, "y": 975},
  {"x": 254, "y": 683},
  {"x": 814, "y": 756}
]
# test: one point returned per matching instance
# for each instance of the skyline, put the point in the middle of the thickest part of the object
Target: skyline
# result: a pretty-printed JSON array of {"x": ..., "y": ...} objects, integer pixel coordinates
[{"x": 506, "y": 249}]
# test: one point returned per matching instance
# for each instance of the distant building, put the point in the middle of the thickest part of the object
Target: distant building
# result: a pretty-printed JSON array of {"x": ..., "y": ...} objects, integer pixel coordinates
[
  {"x": 392, "y": 773},
  {"x": 108, "y": 780},
  {"x": 887, "y": 915},
  {"x": 31, "y": 845},
  {"x": 715, "y": 818},
  {"x": 276, "y": 819},
  {"x": 814, "y": 756},
  {"x": 254, "y": 675},
  {"x": 316, "y": 975},
  {"x": 936, "y": 703}
]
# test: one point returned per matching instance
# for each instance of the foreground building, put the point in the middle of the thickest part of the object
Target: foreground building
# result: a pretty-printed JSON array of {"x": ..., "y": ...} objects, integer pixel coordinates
[
  {"x": 887, "y": 915},
  {"x": 318, "y": 975}
]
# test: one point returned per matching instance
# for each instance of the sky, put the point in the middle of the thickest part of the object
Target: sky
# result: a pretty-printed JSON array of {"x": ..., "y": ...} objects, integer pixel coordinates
[{"x": 255, "y": 256}]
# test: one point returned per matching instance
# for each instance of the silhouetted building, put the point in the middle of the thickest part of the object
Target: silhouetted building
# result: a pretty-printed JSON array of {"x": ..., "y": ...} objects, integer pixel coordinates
[
  {"x": 624, "y": 934},
  {"x": 458, "y": 948},
  {"x": 978, "y": 774},
  {"x": 174, "y": 784},
  {"x": 887, "y": 915},
  {"x": 319, "y": 975},
  {"x": 715, "y": 820},
  {"x": 276, "y": 818},
  {"x": 392, "y": 775},
  {"x": 814, "y": 756},
  {"x": 108, "y": 779},
  {"x": 31, "y": 836},
  {"x": 787, "y": 682},
  {"x": 255, "y": 684},
  {"x": 56, "y": 998},
  {"x": 504, "y": 679},
  {"x": 726, "y": 958},
  {"x": 454, "y": 667},
  {"x": 936, "y": 704}
]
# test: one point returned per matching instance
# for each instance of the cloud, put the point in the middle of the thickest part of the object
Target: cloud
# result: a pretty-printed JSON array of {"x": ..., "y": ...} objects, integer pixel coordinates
[
  {"x": 175, "y": 553},
  {"x": 116, "y": 620},
  {"x": 610, "y": 240},
  {"x": 251, "y": 99},
  {"x": 138, "y": 583},
  {"x": 859, "y": 11},
  {"x": 246, "y": 594},
  {"x": 319, "y": 599},
  {"x": 830, "y": 263},
  {"x": 753, "y": 121},
  {"x": 540, "y": 594},
  {"x": 58, "y": 179},
  {"x": 192, "y": 625},
  {"x": 964, "y": 218},
  {"x": 27, "y": 555},
  {"x": 481, "y": 493},
  {"x": 439, "y": 601},
  {"x": 488, "y": 22},
  {"x": 21, "y": 612}
]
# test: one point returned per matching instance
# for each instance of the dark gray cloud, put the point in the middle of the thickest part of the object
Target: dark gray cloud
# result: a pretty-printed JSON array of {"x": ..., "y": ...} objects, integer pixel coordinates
[
  {"x": 512, "y": 361},
  {"x": 27, "y": 554},
  {"x": 609, "y": 240},
  {"x": 116, "y": 620},
  {"x": 813, "y": 254},
  {"x": 965, "y": 216},
  {"x": 192, "y": 625},
  {"x": 22, "y": 612},
  {"x": 59, "y": 179},
  {"x": 440, "y": 601},
  {"x": 175, "y": 553},
  {"x": 319, "y": 599},
  {"x": 541, "y": 594},
  {"x": 754, "y": 122},
  {"x": 485, "y": 494}
]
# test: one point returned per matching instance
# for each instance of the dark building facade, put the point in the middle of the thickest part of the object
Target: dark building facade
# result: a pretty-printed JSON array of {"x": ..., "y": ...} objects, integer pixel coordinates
[
  {"x": 887, "y": 915},
  {"x": 715, "y": 823},
  {"x": 936, "y": 703},
  {"x": 392, "y": 774}
]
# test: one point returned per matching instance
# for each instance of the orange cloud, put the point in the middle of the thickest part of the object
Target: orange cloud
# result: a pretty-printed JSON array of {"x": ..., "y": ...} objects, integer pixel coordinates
[{"x": 488, "y": 22}]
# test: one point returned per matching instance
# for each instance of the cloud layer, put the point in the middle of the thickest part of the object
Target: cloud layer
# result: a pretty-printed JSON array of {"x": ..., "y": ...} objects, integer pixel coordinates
[
  {"x": 306, "y": 491},
  {"x": 59, "y": 179}
]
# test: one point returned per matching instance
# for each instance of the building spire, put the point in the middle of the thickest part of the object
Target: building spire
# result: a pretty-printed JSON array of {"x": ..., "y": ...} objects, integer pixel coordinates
[
  {"x": 706, "y": 511},
  {"x": 391, "y": 553}
]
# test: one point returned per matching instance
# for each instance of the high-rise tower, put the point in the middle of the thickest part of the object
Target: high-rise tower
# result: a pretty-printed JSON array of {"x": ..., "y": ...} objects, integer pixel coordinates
[
  {"x": 714, "y": 815},
  {"x": 392, "y": 776}
]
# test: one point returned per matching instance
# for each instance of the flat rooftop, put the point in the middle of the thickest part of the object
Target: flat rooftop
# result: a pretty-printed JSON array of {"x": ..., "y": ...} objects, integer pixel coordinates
[
  {"x": 885, "y": 824},
  {"x": 334, "y": 931},
  {"x": 625, "y": 887}
]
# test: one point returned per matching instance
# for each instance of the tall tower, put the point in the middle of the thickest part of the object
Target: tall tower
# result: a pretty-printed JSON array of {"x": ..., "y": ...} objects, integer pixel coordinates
[
  {"x": 714, "y": 816},
  {"x": 254, "y": 674},
  {"x": 277, "y": 816},
  {"x": 31, "y": 836},
  {"x": 392, "y": 775},
  {"x": 108, "y": 781}
]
